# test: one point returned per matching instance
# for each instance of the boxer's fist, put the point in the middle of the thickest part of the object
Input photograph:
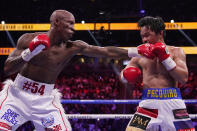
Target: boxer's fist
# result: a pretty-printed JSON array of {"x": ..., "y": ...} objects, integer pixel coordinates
[
  {"x": 38, "y": 44},
  {"x": 131, "y": 75},
  {"x": 146, "y": 50},
  {"x": 41, "y": 39},
  {"x": 161, "y": 52}
]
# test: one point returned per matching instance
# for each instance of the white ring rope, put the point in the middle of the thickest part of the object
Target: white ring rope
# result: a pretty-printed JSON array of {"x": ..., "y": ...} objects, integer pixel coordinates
[{"x": 108, "y": 116}]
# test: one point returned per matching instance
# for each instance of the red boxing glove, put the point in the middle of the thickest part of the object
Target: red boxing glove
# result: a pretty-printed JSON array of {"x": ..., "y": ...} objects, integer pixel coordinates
[
  {"x": 131, "y": 75},
  {"x": 160, "y": 50},
  {"x": 41, "y": 39},
  {"x": 142, "y": 50},
  {"x": 146, "y": 50},
  {"x": 38, "y": 44}
]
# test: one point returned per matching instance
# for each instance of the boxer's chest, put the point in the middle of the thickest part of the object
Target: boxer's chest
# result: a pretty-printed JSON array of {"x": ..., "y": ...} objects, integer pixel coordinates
[
  {"x": 55, "y": 57},
  {"x": 152, "y": 66}
]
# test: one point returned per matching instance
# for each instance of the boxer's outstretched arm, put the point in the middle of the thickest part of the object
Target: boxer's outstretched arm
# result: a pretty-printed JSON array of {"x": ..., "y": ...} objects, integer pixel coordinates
[
  {"x": 180, "y": 73},
  {"x": 108, "y": 51},
  {"x": 14, "y": 62}
]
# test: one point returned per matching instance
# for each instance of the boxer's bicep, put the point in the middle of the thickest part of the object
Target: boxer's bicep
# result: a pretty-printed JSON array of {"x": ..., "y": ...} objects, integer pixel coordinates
[
  {"x": 14, "y": 62},
  {"x": 180, "y": 73},
  {"x": 180, "y": 59},
  {"x": 22, "y": 44},
  {"x": 16, "y": 52}
]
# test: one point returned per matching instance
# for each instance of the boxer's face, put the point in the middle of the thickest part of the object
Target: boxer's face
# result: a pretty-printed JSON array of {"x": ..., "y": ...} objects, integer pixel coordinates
[
  {"x": 67, "y": 26},
  {"x": 148, "y": 36}
]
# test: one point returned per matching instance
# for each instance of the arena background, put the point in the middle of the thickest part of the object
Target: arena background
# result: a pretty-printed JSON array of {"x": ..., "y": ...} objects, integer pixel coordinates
[{"x": 111, "y": 23}]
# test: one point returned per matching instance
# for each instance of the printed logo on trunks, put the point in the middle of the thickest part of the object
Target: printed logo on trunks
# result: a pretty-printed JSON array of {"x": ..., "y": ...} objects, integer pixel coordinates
[
  {"x": 162, "y": 93},
  {"x": 10, "y": 116},
  {"x": 33, "y": 87},
  {"x": 140, "y": 121},
  {"x": 48, "y": 121},
  {"x": 54, "y": 128},
  {"x": 180, "y": 114}
]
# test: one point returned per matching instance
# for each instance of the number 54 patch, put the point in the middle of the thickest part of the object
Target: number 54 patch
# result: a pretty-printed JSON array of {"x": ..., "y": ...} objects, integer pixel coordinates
[
  {"x": 140, "y": 121},
  {"x": 33, "y": 87}
]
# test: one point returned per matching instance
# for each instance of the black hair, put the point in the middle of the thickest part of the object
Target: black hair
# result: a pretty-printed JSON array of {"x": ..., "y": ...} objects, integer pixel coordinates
[{"x": 156, "y": 24}]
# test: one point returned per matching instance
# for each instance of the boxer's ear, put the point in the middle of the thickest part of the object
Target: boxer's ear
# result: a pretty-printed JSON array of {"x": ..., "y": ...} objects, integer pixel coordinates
[{"x": 56, "y": 22}]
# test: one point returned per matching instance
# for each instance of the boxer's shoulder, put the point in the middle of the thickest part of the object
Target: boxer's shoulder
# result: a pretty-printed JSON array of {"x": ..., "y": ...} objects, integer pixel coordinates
[
  {"x": 26, "y": 37},
  {"x": 30, "y": 36},
  {"x": 176, "y": 53},
  {"x": 177, "y": 50},
  {"x": 24, "y": 40},
  {"x": 174, "y": 49}
]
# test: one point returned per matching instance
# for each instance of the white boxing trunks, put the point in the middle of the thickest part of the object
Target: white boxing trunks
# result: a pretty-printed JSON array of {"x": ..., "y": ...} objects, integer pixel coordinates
[
  {"x": 162, "y": 110},
  {"x": 25, "y": 99}
]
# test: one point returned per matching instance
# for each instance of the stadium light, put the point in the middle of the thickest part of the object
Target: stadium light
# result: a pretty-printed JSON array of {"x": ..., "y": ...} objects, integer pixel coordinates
[
  {"x": 171, "y": 21},
  {"x": 2, "y": 22},
  {"x": 82, "y": 22}
]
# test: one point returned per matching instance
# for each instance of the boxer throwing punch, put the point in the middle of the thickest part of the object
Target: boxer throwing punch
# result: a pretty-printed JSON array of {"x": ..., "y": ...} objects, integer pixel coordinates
[
  {"x": 162, "y": 67},
  {"x": 39, "y": 58}
]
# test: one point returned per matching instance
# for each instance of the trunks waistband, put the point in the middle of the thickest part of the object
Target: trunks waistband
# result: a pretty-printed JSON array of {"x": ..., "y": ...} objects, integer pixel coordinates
[
  {"x": 163, "y": 93},
  {"x": 32, "y": 87}
]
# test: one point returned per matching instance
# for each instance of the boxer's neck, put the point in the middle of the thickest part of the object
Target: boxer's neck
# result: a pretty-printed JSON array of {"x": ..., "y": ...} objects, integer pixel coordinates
[{"x": 55, "y": 39}]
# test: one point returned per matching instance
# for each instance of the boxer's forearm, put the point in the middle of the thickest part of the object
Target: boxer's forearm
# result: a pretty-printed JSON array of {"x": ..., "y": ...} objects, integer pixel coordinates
[
  {"x": 13, "y": 65},
  {"x": 116, "y": 52},
  {"x": 180, "y": 72},
  {"x": 97, "y": 51}
]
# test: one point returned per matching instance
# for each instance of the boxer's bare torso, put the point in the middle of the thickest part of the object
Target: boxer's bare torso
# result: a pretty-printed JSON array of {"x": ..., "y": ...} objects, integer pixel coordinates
[
  {"x": 154, "y": 73},
  {"x": 46, "y": 66}
]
